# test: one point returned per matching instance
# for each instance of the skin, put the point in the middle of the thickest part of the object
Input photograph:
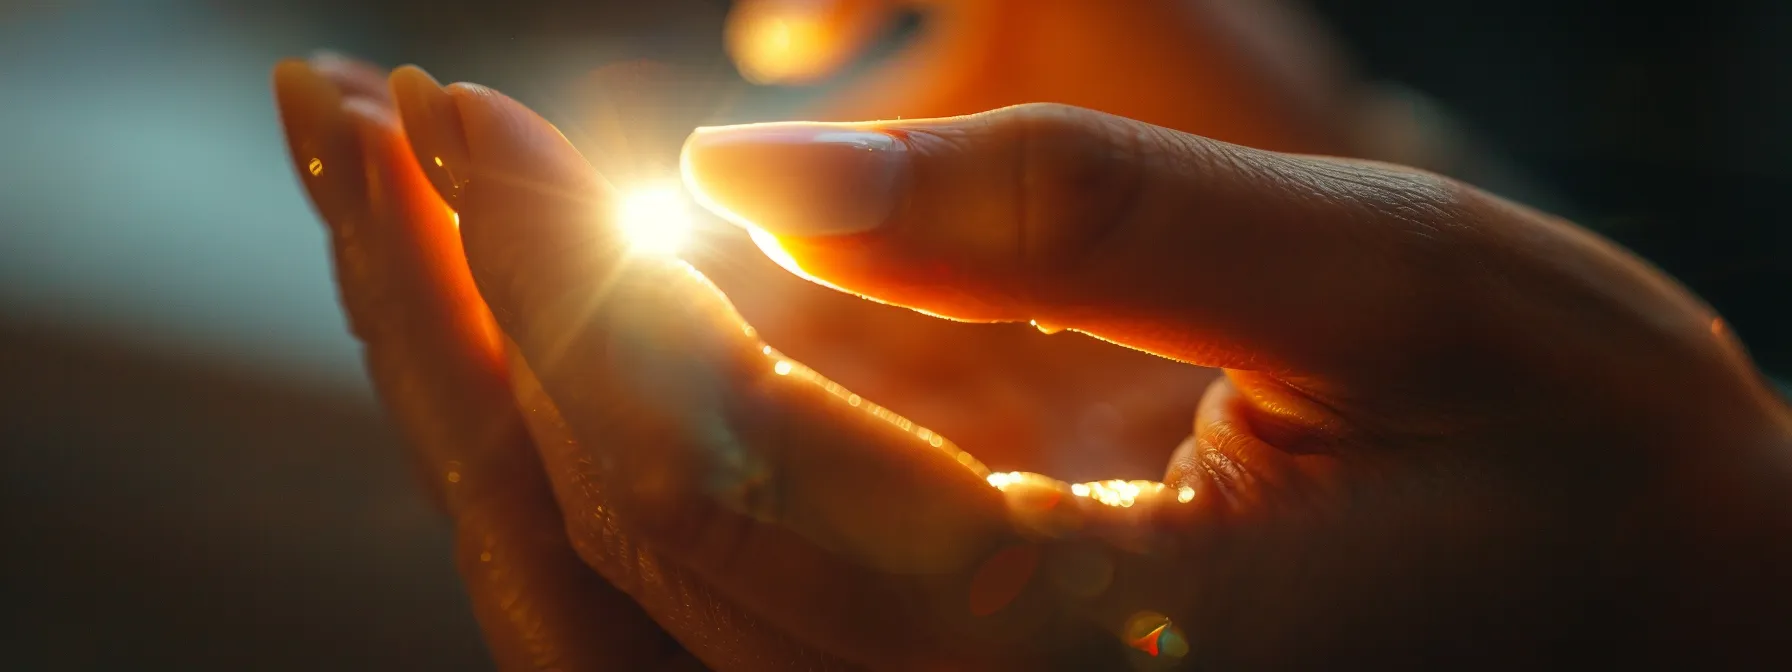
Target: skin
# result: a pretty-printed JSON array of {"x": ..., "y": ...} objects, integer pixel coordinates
[{"x": 1452, "y": 430}]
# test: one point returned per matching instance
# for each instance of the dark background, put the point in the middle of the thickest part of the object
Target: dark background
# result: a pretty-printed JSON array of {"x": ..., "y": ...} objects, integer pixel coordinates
[{"x": 194, "y": 474}]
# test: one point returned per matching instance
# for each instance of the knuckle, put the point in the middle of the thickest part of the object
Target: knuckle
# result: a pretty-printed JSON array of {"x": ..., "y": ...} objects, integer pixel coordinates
[{"x": 1077, "y": 176}]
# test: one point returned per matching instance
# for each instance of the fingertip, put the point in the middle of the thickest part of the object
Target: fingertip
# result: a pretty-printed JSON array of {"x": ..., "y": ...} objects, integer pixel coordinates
[
  {"x": 300, "y": 92},
  {"x": 287, "y": 69},
  {"x": 797, "y": 179},
  {"x": 432, "y": 124},
  {"x": 508, "y": 143},
  {"x": 521, "y": 183},
  {"x": 321, "y": 142}
]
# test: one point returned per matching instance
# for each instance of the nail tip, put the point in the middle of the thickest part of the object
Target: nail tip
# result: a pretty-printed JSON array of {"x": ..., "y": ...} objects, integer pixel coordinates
[{"x": 413, "y": 74}]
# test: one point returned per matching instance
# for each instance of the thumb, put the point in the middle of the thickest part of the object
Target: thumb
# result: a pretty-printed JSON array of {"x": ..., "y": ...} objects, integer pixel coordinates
[
  {"x": 1383, "y": 293},
  {"x": 1189, "y": 248}
]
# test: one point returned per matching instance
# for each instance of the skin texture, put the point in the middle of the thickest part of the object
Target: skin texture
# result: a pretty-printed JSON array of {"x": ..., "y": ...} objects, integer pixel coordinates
[{"x": 1452, "y": 430}]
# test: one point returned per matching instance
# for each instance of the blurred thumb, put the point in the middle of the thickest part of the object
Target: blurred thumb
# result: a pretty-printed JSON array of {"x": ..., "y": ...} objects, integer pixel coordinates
[{"x": 798, "y": 41}]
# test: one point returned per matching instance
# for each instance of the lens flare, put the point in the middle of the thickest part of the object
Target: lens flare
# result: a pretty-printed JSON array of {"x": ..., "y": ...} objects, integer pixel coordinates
[{"x": 655, "y": 219}]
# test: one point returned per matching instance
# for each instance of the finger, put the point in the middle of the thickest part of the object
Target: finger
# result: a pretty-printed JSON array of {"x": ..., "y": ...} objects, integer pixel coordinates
[
  {"x": 1208, "y": 253},
  {"x": 431, "y": 349},
  {"x": 798, "y": 41},
  {"x": 1228, "y": 455},
  {"x": 427, "y": 109},
  {"x": 793, "y": 497}
]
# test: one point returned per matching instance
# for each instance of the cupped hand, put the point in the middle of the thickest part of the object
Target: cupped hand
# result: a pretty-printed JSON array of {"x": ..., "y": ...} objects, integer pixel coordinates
[
  {"x": 437, "y": 360},
  {"x": 1451, "y": 428}
]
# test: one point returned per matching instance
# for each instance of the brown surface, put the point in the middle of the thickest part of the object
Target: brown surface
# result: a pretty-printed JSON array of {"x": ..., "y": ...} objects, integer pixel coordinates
[{"x": 186, "y": 516}]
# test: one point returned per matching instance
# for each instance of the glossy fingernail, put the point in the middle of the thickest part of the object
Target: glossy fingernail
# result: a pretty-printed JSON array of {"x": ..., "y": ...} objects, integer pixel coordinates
[
  {"x": 432, "y": 123},
  {"x": 797, "y": 179},
  {"x": 322, "y": 142}
]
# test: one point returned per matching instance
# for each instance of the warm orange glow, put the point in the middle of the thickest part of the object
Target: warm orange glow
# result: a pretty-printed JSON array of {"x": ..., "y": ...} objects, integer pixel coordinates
[{"x": 779, "y": 45}]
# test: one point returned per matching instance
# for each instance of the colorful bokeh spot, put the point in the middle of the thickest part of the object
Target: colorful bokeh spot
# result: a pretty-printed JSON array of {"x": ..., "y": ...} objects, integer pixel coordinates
[{"x": 1153, "y": 634}]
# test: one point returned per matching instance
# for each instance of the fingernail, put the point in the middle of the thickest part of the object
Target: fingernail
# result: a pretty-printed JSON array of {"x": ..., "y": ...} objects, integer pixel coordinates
[
  {"x": 797, "y": 179},
  {"x": 433, "y": 126},
  {"x": 321, "y": 140}
]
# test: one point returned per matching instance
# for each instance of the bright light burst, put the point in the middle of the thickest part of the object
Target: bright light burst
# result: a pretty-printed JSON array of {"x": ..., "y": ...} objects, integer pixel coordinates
[{"x": 655, "y": 219}]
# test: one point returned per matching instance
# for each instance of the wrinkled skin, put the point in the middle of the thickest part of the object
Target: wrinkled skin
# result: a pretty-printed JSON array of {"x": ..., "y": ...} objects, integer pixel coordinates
[{"x": 1452, "y": 429}]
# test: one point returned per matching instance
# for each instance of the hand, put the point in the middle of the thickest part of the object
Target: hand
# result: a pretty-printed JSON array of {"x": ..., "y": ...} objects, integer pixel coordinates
[
  {"x": 1366, "y": 484},
  {"x": 1255, "y": 73},
  {"x": 437, "y": 360}
]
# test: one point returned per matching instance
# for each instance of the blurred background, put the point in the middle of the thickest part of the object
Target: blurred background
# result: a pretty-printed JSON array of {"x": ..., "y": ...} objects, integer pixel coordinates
[{"x": 195, "y": 474}]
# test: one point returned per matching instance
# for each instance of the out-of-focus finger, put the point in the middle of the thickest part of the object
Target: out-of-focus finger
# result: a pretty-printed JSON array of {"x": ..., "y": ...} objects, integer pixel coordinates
[
  {"x": 431, "y": 349},
  {"x": 427, "y": 110},
  {"x": 797, "y": 41},
  {"x": 403, "y": 284}
]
